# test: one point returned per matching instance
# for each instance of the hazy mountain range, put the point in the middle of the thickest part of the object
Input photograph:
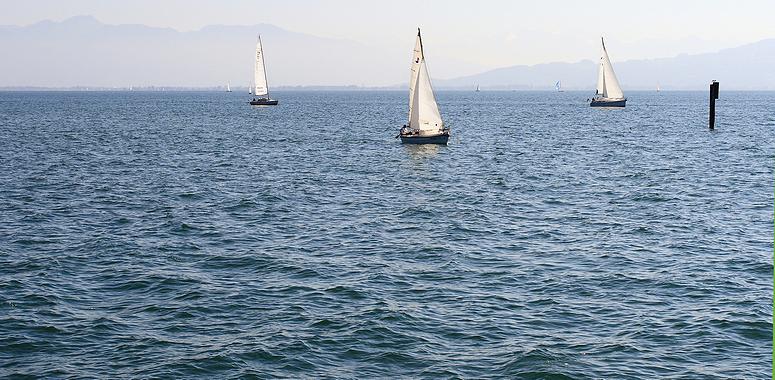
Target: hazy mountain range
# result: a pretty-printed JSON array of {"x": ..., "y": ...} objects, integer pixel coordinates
[
  {"x": 81, "y": 51},
  {"x": 748, "y": 67}
]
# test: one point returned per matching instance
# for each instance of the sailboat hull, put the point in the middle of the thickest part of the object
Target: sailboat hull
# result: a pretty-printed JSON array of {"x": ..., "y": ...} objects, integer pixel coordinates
[
  {"x": 602, "y": 102},
  {"x": 425, "y": 139},
  {"x": 263, "y": 102}
]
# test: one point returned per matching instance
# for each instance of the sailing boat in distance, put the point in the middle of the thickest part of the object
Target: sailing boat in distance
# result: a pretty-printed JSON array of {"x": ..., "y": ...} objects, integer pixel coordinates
[
  {"x": 477, "y": 87},
  {"x": 608, "y": 93},
  {"x": 425, "y": 125},
  {"x": 261, "y": 88},
  {"x": 558, "y": 87},
  {"x": 228, "y": 87}
]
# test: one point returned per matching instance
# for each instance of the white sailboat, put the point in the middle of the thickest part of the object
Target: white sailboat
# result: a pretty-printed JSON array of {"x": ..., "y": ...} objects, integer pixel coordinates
[
  {"x": 228, "y": 87},
  {"x": 477, "y": 87},
  {"x": 425, "y": 125},
  {"x": 261, "y": 87},
  {"x": 558, "y": 86},
  {"x": 608, "y": 93}
]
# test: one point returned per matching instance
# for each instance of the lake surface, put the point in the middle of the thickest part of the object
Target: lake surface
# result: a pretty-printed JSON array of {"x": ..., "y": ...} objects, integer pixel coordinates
[{"x": 183, "y": 235}]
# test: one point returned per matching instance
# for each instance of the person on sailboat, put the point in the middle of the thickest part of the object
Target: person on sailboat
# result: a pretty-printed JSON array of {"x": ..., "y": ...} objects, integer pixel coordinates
[{"x": 405, "y": 130}]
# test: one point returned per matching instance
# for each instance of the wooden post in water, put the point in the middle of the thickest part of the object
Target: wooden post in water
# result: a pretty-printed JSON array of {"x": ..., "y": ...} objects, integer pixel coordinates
[{"x": 713, "y": 97}]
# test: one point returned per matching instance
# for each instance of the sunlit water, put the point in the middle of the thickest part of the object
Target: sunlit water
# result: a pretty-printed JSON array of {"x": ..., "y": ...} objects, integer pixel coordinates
[{"x": 191, "y": 235}]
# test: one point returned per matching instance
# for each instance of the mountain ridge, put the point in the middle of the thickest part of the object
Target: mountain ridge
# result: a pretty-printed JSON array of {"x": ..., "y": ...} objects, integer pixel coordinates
[
  {"x": 681, "y": 72},
  {"x": 81, "y": 51}
]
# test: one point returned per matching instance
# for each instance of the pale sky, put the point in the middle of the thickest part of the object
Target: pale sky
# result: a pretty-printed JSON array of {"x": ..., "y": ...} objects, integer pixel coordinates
[
  {"x": 484, "y": 33},
  {"x": 478, "y": 34}
]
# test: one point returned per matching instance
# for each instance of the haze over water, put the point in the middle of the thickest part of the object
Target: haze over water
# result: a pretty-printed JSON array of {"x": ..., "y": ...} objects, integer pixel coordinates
[{"x": 191, "y": 235}]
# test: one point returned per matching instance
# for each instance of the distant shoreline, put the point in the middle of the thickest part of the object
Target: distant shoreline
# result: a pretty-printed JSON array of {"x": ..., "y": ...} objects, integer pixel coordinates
[{"x": 329, "y": 88}]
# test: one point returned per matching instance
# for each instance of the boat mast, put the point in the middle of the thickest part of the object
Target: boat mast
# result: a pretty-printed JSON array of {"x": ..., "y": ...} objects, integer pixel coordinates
[{"x": 422, "y": 52}]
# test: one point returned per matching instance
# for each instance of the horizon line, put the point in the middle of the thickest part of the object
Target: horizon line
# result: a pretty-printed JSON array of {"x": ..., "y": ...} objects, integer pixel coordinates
[{"x": 152, "y": 88}]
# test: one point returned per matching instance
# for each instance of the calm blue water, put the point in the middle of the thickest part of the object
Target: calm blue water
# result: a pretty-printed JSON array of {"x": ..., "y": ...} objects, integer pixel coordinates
[{"x": 188, "y": 235}]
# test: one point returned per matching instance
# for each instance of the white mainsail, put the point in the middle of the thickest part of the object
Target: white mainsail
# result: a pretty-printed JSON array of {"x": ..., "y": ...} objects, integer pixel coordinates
[
  {"x": 414, "y": 69},
  {"x": 424, "y": 111},
  {"x": 607, "y": 84},
  {"x": 600, "y": 79},
  {"x": 259, "y": 74},
  {"x": 228, "y": 87}
]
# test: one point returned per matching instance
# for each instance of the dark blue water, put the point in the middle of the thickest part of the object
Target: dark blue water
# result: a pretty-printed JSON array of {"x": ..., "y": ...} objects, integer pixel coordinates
[{"x": 185, "y": 235}]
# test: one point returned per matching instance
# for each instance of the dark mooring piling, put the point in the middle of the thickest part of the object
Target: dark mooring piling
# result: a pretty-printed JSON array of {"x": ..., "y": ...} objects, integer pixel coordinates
[{"x": 713, "y": 97}]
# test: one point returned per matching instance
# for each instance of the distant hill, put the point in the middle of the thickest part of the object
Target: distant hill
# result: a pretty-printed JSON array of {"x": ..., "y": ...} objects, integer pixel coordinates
[
  {"x": 748, "y": 67},
  {"x": 81, "y": 51}
]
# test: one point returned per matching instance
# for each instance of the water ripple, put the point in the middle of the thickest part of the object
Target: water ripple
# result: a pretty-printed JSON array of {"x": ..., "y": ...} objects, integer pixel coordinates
[{"x": 187, "y": 235}]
